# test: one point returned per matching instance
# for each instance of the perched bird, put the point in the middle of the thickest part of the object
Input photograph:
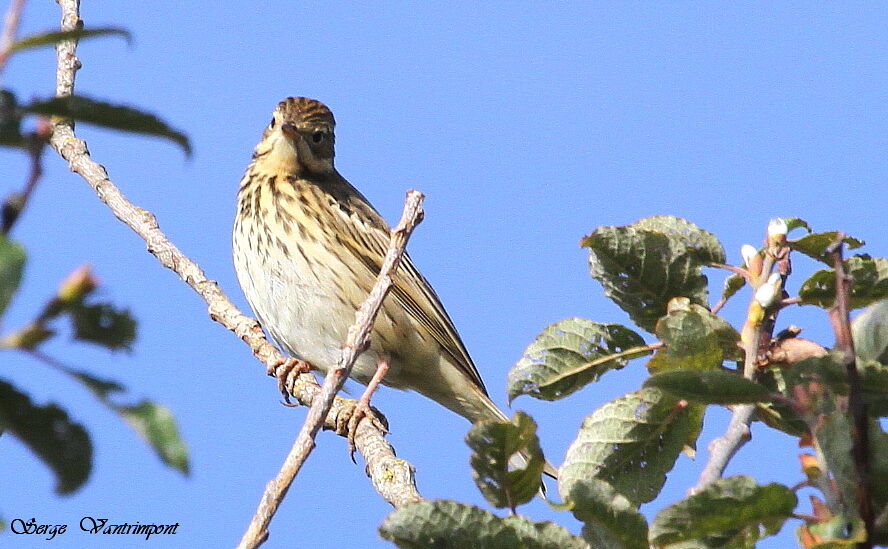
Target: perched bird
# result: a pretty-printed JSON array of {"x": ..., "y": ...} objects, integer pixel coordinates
[{"x": 307, "y": 249}]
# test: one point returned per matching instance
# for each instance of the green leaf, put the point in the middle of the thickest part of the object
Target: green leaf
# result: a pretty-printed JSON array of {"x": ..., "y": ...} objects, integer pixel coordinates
[
  {"x": 442, "y": 524},
  {"x": 569, "y": 354},
  {"x": 644, "y": 265},
  {"x": 870, "y": 283},
  {"x": 733, "y": 283},
  {"x": 49, "y": 432},
  {"x": 874, "y": 385},
  {"x": 12, "y": 263},
  {"x": 118, "y": 117},
  {"x": 493, "y": 444},
  {"x": 870, "y": 331},
  {"x": 610, "y": 519},
  {"x": 833, "y": 434},
  {"x": 157, "y": 426},
  {"x": 103, "y": 324},
  {"x": 694, "y": 338},
  {"x": 795, "y": 223},
  {"x": 709, "y": 387},
  {"x": 51, "y": 38},
  {"x": 729, "y": 507},
  {"x": 815, "y": 245},
  {"x": 878, "y": 447},
  {"x": 10, "y": 120},
  {"x": 631, "y": 442}
]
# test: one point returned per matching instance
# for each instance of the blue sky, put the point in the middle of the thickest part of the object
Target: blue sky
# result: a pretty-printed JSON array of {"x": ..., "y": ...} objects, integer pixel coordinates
[{"x": 525, "y": 125}]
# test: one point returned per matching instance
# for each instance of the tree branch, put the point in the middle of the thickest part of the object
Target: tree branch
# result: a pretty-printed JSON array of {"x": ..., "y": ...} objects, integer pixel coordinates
[
  {"x": 392, "y": 477},
  {"x": 357, "y": 342}
]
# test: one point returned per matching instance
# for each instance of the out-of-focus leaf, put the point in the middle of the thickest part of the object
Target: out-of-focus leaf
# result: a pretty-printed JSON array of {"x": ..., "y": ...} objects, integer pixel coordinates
[
  {"x": 833, "y": 435},
  {"x": 729, "y": 508},
  {"x": 442, "y": 524},
  {"x": 12, "y": 263},
  {"x": 157, "y": 426},
  {"x": 870, "y": 331},
  {"x": 118, "y": 117},
  {"x": 878, "y": 448},
  {"x": 833, "y": 533},
  {"x": 10, "y": 120},
  {"x": 102, "y": 388},
  {"x": 51, "y": 38},
  {"x": 631, "y": 442},
  {"x": 709, "y": 387},
  {"x": 49, "y": 432},
  {"x": 27, "y": 338},
  {"x": 644, "y": 265},
  {"x": 694, "y": 338},
  {"x": 815, "y": 244},
  {"x": 569, "y": 354},
  {"x": 610, "y": 519},
  {"x": 105, "y": 325},
  {"x": 493, "y": 444},
  {"x": 870, "y": 283}
]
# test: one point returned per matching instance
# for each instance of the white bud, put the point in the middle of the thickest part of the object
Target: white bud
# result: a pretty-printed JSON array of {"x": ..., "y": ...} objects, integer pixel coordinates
[
  {"x": 768, "y": 293},
  {"x": 748, "y": 252},
  {"x": 777, "y": 227}
]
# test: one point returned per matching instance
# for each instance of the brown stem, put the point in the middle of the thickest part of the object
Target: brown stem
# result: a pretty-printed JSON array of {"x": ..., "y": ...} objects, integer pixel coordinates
[
  {"x": 10, "y": 28},
  {"x": 356, "y": 342},
  {"x": 392, "y": 477}
]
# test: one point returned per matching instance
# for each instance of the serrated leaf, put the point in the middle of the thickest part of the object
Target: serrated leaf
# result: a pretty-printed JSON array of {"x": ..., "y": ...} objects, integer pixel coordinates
[
  {"x": 157, "y": 426},
  {"x": 870, "y": 283},
  {"x": 51, "y": 38},
  {"x": 569, "y": 354},
  {"x": 611, "y": 520},
  {"x": 727, "y": 506},
  {"x": 693, "y": 338},
  {"x": 51, "y": 434},
  {"x": 12, "y": 263},
  {"x": 815, "y": 245},
  {"x": 631, "y": 442},
  {"x": 870, "y": 331},
  {"x": 644, "y": 265},
  {"x": 103, "y": 324},
  {"x": 493, "y": 444},
  {"x": 709, "y": 387},
  {"x": 442, "y": 524},
  {"x": 118, "y": 117}
]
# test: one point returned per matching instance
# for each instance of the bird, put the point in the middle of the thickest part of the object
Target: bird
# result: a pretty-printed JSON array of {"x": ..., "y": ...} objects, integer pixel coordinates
[{"x": 307, "y": 248}]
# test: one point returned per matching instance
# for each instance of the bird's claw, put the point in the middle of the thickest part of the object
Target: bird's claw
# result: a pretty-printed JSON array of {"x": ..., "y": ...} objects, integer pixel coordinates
[
  {"x": 286, "y": 371},
  {"x": 350, "y": 417}
]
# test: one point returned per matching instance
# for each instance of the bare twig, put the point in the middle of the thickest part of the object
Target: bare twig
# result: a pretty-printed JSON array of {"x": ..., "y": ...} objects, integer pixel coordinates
[
  {"x": 392, "y": 477},
  {"x": 841, "y": 325},
  {"x": 10, "y": 28},
  {"x": 357, "y": 341}
]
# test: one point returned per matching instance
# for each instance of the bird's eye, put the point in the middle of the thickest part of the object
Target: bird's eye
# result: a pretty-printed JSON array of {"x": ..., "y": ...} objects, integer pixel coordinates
[
  {"x": 318, "y": 137},
  {"x": 271, "y": 124}
]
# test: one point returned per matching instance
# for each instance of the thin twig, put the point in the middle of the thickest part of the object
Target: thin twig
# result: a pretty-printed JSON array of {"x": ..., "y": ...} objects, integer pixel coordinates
[
  {"x": 357, "y": 341},
  {"x": 10, "y": 28},
  {"x": 841, "y": 325},
  {"x": 392, "y": 477}
]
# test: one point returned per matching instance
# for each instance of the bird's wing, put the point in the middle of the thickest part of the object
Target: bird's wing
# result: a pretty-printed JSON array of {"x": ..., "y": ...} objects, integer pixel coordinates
[{"x": 411, "y": 290}]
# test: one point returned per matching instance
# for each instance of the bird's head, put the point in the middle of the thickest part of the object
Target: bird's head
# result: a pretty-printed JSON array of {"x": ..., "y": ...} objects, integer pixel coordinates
[{"x": 299, "y": 136}]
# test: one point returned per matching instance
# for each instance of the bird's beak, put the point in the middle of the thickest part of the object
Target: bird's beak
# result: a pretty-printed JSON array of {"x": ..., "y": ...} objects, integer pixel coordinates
[{"x": 289, "y": 130}]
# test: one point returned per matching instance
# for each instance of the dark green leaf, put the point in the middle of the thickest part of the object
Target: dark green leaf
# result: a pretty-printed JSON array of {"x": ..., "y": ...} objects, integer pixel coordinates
[
  {"x": 610, "y": 519},
  {"x": 569, "y": 354},
  {"x": 874, "y": 382},
  {"x": 12, "y": 263},
  {"x": 727, "y": 507},
  {"x": 870, "y": 331},
  {"x": 644, "y": 265},
  {"x": 493, "y": 444},
  {"x": 693, "y": 338},
  {"x": 51, "y": 38},
  {"x": 709, "y": 387},
  {"x": 833, "y": 435},
  {"x": 442, "y": 524},
  {"x": 49, "y": 432},
  {"x": 870, "y": 283},
  {"x": 815, "y": 245},
  {"x": 118, "y": 117},
  {"x": 878, "y": 447},
  {"x": 102, "y": 388},
  {"x": 101, "y": 323},
  {"x": 10, "y": 120},
  {"x": 157, "y": 426},
  {"x": 631, "y": 442}
]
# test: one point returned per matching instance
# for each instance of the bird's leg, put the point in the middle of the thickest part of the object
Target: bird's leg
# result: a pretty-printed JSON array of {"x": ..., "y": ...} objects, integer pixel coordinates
[
  {"x": 286, "y": 372},
  {"x": 362, "y": 407}
]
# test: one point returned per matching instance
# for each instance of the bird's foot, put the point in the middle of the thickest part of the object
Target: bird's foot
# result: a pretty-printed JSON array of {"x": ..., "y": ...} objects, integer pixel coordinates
[{"x": 286, "y": 371}]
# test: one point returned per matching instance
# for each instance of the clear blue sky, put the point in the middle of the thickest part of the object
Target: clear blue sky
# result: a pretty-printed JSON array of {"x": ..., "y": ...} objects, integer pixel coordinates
[{"x": 526, "y": 127}]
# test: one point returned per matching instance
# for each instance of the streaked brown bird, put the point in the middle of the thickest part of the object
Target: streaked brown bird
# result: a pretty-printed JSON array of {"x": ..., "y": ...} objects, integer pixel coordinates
[{"x": 307, "y": 250}]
